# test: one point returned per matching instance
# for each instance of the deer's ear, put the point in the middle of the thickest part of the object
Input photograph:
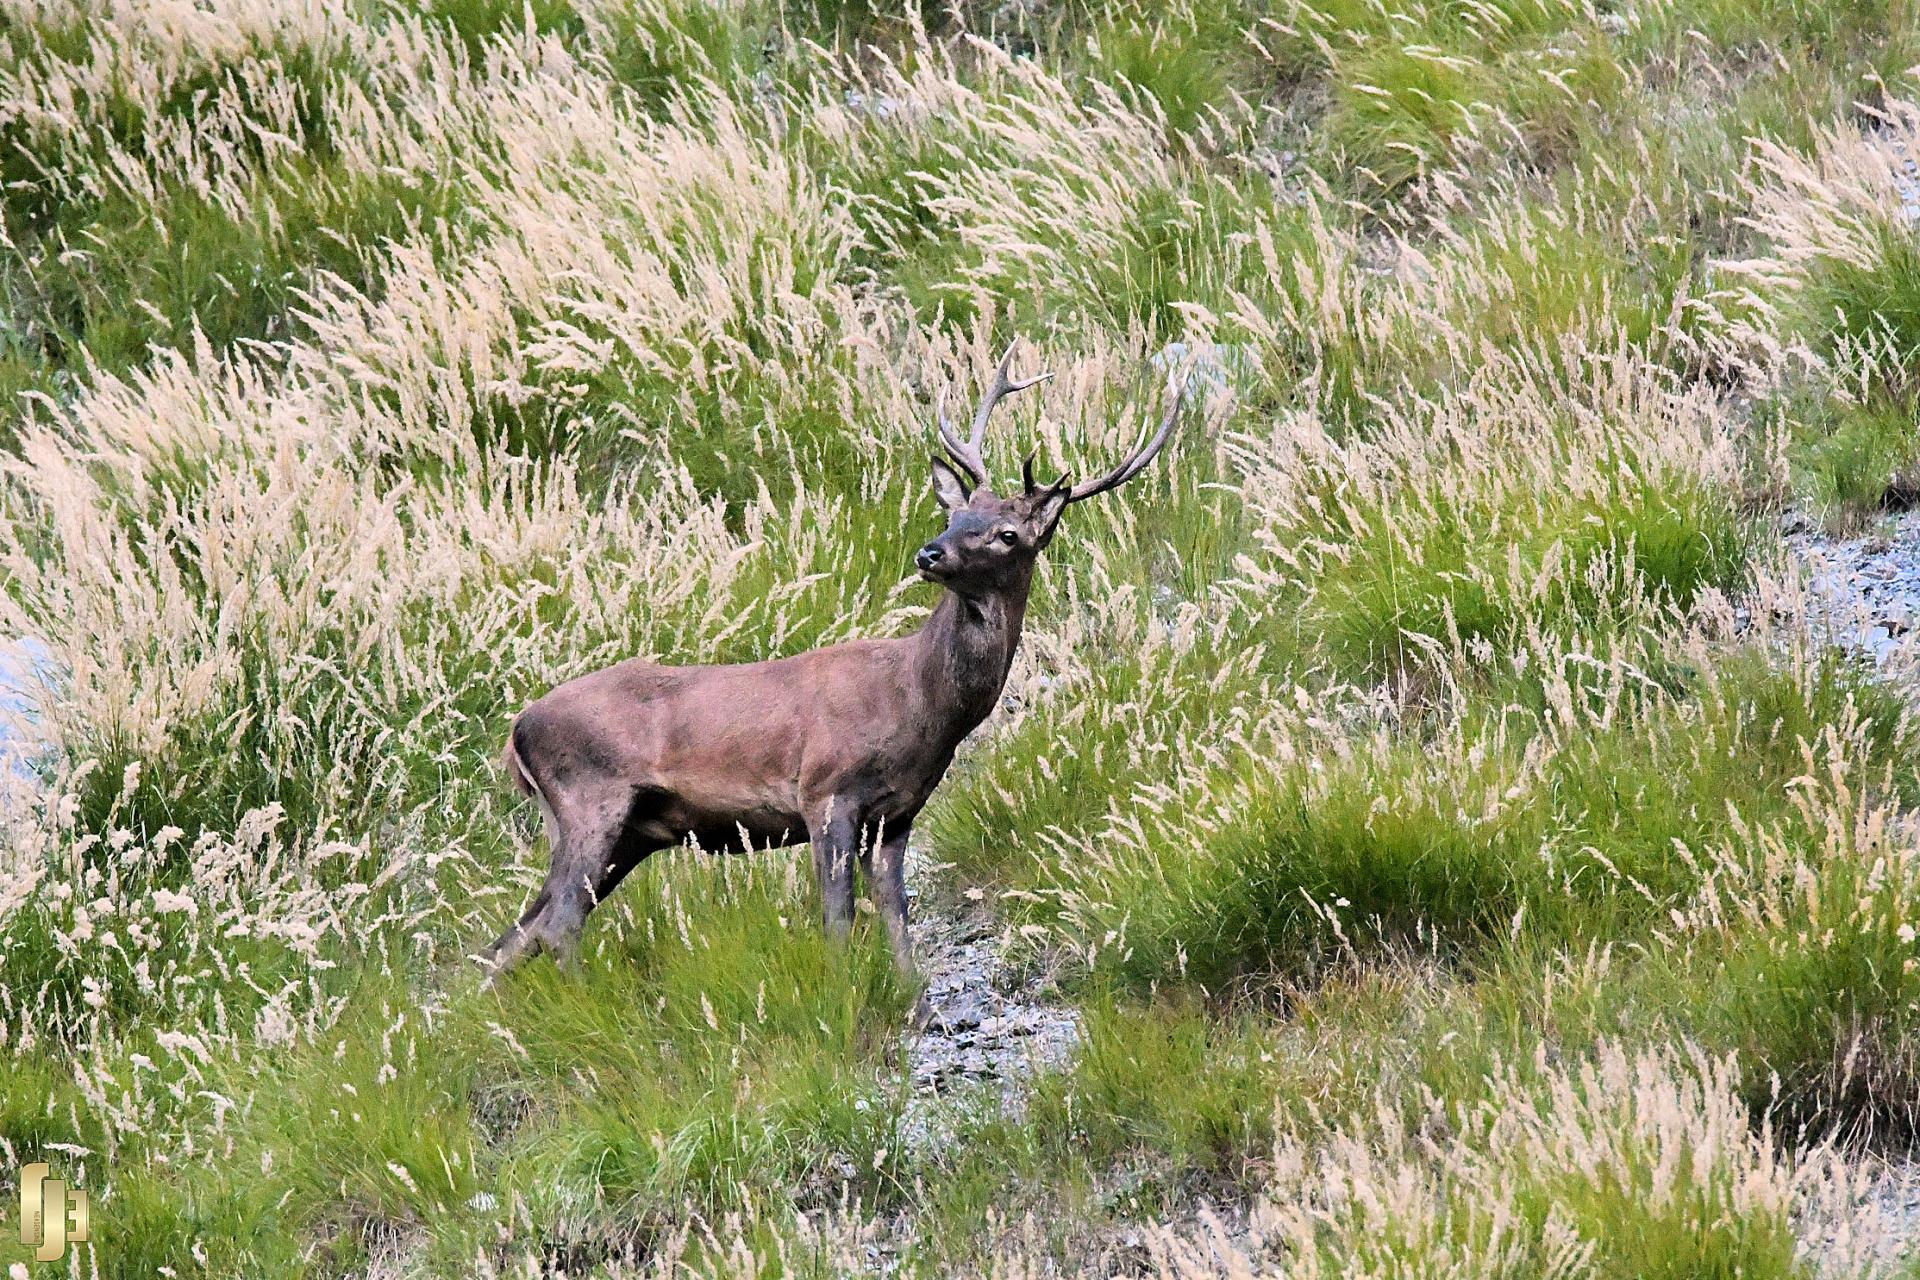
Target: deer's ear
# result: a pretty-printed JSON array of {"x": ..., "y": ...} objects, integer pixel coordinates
[
  {"x": 948, "y": 487},
  {"x": 1046, "y": 511}
]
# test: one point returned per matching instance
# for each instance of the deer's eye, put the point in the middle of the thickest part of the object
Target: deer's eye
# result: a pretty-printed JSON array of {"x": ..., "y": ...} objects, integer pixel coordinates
[{"x": 1009, "y": 537}]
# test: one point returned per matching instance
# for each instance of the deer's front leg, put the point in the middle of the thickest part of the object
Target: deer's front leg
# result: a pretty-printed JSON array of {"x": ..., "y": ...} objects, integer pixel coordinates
[
  {"x": 835, "y": 843},
  {"x": 889, "y": 888}
]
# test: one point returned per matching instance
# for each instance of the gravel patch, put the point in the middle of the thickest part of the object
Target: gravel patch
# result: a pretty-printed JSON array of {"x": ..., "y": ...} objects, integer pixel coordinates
[
  {"x": 1866, "y": 589},
  {"x": 1889, "y": 1210},
  {"x": 1906, "y": 179},
  {"x": 986, "y": 1025},
  {"x": 992, "y": 1025}
]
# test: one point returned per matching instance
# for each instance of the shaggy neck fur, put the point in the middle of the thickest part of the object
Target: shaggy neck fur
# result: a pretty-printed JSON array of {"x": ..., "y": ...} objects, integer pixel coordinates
[{"x": 967, "y": 647}]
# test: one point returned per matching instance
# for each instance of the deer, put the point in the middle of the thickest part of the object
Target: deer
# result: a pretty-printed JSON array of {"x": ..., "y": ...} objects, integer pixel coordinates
[{"x": 840, "y": 746}]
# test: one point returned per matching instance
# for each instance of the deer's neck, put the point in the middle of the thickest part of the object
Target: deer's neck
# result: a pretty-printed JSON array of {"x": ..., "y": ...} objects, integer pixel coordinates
[{"x": 966, "y": 650}]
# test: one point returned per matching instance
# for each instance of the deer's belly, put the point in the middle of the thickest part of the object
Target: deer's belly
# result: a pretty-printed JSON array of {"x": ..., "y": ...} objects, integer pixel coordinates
[{"x": 729, "y": 830}]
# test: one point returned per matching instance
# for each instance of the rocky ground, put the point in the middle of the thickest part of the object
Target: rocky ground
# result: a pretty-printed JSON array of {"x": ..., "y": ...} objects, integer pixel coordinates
[
  {"x": 992, "y": 1024},
  {"x": 1867, "y": 587},
  {"x": 1891, "y": 1208}
]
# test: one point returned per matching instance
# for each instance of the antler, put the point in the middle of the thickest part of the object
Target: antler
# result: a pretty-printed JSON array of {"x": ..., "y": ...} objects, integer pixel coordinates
[
  {"x": 1143, "y": 452},
  {"x": 967, "y": 452}
]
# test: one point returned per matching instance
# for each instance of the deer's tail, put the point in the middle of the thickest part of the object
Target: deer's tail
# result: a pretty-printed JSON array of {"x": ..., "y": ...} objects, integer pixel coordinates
[{"x": 516, "y": 767}]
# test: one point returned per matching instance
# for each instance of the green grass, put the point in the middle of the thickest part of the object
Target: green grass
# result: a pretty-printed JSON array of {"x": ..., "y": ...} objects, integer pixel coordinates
[
  {"x": 1854, "y": 449},
  {"x": 203, "y": 275},
  {"x": 1877, "y": 305},
  {"x": 1267, "y": 874},
  {"x": 1460, "y": 579},
  {"x": 1185, "y": 63}
]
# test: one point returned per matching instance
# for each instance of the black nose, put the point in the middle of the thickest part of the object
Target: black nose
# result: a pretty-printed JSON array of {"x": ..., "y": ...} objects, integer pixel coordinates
[{"x": 929, "y": 556}]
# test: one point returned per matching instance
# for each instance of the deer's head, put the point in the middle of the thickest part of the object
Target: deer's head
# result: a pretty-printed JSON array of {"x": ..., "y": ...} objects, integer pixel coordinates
[{"x": 991, "y": 542}]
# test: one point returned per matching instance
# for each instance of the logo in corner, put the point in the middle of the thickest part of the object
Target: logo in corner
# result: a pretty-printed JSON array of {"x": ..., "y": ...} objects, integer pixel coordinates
[{"x": 51, "y": 1213}]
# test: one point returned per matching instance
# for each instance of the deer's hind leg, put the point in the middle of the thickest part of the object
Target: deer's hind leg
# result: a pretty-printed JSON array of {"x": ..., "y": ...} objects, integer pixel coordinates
[{"x": 593, "y": 848}]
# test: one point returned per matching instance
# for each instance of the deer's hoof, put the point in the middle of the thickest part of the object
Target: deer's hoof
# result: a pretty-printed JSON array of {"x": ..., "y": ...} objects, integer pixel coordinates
[{"x": 506, "y": 953}]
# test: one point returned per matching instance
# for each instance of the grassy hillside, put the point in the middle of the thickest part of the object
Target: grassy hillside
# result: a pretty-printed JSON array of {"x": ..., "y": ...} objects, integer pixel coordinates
[{"x": 1424, "y": 782}]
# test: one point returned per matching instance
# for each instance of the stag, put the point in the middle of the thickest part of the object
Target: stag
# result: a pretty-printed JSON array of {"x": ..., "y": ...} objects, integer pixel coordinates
[{"x": 840, "y": 746}]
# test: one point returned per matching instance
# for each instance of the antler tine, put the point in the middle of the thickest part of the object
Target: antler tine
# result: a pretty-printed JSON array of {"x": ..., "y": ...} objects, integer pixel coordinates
[
  {"x": 967, "y": 453},
  {"x": 969, "y": 460},
  {"x": 1144, "y": 451},
  {"x": 1002, "y": 385}
]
